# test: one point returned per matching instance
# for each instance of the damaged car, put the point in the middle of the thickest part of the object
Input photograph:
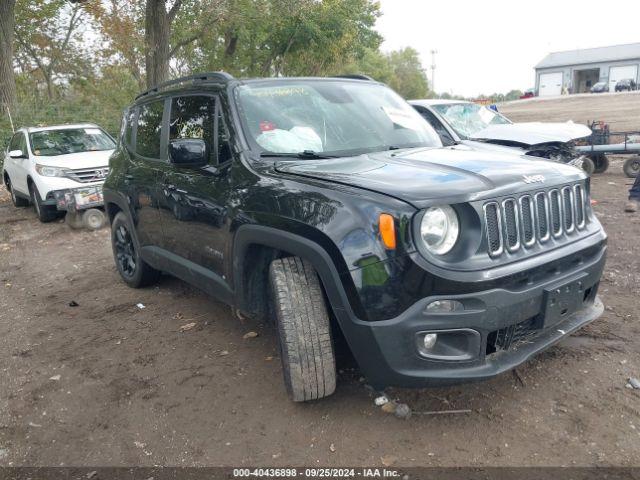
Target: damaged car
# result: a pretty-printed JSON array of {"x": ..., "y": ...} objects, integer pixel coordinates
[
  {"x": 329, "y": 208},
  {"x": 480, "y": 127},
  {"x": 59, "y": 169}
]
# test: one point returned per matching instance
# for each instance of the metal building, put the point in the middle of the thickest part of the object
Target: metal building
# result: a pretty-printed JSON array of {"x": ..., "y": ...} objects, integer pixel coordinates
[{"x": 576, "y": 71}]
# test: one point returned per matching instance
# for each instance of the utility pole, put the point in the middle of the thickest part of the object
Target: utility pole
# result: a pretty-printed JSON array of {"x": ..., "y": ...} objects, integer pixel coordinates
[{"x": 433, "y": 70}]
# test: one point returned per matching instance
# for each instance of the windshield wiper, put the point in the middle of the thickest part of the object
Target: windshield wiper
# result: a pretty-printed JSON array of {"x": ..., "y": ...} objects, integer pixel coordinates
[{"x": 306, "y": 155}]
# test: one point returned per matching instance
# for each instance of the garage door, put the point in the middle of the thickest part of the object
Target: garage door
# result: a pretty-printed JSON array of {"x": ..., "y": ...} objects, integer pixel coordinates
[
  {"x": 550, "y": 84},
  {"x": 619, "y": 73}
]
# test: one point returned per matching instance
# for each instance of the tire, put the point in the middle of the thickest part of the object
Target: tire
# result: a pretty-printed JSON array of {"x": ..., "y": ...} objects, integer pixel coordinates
[
  {"x": 73, "y": 220},
  {"x": 588, "y": 166},
  {"x": 632, "y": 167},
  {"x": 126, "y": 253},
  {"x": 601, "y": 163},
  {"x": 45, "y": 213},
  {"x": 93, "y": 219},
  {"x": 15, "y": 199},
  {"x": 308, "y": 359}
]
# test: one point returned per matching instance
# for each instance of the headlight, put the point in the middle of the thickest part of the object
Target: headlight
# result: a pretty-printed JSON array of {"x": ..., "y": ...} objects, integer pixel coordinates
[
  {"x": 47, "y": 171},
  {"x": 439, "y": 229}
]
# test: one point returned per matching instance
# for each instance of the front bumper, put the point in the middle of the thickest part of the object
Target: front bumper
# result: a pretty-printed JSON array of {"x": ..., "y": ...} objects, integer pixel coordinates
[
  {"x": 392, "y": 357},
  {"x": 80, "y": 198}
]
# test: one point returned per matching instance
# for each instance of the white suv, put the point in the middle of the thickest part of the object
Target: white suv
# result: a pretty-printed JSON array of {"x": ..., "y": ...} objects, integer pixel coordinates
[{"x": 43, "y": 163}]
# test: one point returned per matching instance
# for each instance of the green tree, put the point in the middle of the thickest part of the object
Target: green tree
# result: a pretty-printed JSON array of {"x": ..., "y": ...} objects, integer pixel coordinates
[
  {"x": 49, "y": 41},
  {"x": 409, "y": 78}
]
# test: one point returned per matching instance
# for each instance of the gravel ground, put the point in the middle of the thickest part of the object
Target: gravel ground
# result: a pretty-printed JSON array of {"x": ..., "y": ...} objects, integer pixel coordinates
[
  {"x": 620, "y": 110},
  {"x": 108, "y": 383}
]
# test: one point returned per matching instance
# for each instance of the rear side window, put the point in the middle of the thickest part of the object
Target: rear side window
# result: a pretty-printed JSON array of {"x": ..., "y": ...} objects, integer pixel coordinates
[
  {"x": 149, "y": 132},
  {"x": 193, "y": 117}
]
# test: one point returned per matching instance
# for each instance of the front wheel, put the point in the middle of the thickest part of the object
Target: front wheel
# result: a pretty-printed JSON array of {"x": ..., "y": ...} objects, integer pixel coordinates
[
  {"x": 308, "y": 359},
  {"x": 588, "y": 166},
  {"x": 632, "y": 167},
  {"x": 45, "y": 213},
  {"x": 132, "y": 268},
  {"x": 601, "y": 163}
]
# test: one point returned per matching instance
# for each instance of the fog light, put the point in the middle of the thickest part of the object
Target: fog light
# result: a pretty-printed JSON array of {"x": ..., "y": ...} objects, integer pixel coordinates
[
  {"x": 430, "y": 340},
  {"x": 444, "y": 306}
]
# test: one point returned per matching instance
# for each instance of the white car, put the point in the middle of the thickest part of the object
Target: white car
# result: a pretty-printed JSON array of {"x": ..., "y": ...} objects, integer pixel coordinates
[
  {"x": 42, "y": 164},
  {"x": 482, "y": 128}
]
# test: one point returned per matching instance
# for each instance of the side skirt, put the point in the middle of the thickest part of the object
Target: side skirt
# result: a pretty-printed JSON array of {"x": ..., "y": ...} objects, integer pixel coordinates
[{"x": 188, "y": 271}]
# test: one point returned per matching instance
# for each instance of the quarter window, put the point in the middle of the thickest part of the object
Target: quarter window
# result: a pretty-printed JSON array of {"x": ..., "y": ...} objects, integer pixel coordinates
[
  {"x": 192, "y": 117},
  {"x": 149, "y": 130}
]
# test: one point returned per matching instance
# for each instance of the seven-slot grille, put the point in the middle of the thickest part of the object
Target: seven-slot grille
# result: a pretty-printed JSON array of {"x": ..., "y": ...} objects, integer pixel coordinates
[
  {"x": 519, "y": 222},
  {"x": 88, "y": 175}
]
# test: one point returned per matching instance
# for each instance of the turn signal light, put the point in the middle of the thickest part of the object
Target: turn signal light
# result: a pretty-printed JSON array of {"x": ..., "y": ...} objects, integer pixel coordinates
[{"x": 387, "y": 230}]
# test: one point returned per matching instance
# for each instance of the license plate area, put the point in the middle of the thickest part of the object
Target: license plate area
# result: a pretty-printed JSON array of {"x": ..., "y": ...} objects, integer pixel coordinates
[{"x": 562, "y": 300}]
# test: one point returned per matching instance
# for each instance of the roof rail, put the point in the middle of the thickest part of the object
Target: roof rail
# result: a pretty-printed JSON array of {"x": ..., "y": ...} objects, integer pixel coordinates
[
  {"x": 199, "y": 77},
  {"x": 356, "y": 76}
]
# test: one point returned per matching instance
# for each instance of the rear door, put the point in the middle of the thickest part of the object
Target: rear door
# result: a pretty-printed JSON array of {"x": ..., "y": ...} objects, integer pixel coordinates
[
  {"x": 147, "y": 158},
  {"x": 194, "y": 208}
]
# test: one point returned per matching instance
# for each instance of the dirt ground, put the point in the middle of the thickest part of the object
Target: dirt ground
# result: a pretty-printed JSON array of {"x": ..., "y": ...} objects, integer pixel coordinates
[
  {"x": 107, "y": 383},
  {"x": 620, "y": 110}
]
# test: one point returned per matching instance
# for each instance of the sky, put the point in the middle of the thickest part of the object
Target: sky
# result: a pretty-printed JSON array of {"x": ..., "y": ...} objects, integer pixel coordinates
[{"x": 492, "y": 46}]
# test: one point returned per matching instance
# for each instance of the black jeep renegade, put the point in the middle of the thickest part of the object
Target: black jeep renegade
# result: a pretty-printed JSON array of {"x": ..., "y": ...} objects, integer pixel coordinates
[{"x": 330, "y": 203}]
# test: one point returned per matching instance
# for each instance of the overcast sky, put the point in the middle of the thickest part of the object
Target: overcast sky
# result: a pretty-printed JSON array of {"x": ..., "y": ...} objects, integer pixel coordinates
[{"x": 491, "y": 46}]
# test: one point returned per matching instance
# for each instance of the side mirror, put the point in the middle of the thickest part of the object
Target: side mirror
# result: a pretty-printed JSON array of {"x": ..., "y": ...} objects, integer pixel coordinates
[
  {"x": 17, "y": 154},
  {"x": 188, "y": 152}
]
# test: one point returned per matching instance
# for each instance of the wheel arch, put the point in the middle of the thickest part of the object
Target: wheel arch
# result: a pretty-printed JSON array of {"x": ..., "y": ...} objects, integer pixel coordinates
[
  {"x": 114, "y": 203},
  {"x": 255, "y": 246}
]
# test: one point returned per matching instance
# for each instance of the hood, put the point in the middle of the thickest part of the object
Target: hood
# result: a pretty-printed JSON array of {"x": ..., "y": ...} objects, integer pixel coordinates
[
  {"x": 76, "y": 161},
  {"x": 533, "y": 133},
  {"x": 453, "y": 174}
]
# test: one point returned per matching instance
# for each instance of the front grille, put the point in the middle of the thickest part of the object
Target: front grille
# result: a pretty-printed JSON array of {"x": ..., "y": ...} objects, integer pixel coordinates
[
  {"x": 528, "y": 227},
  {"x": 518, "y": 222},
  {"x": 511, "y": 224},
  {"x": 494, "y": 229},
  {"x": 556, "y": 211},
  {"x": 88, "y": 175}
]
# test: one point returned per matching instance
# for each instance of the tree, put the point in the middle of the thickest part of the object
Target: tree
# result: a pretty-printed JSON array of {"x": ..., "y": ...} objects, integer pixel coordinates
[
  {"x": 7, "y": 79},
  {"x": 48, "y": 37},
  {"x": 158, "y": 32},
  {"x": 409, "y": 78},
  {"x": 401, "y": 70},
  {"x": 121, "y": 23}
]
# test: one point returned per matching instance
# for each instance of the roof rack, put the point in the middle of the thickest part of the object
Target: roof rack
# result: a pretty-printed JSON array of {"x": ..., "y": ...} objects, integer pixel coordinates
[
  {"x": 199, "y": 77},
  {"x": 356, "y": 76}
]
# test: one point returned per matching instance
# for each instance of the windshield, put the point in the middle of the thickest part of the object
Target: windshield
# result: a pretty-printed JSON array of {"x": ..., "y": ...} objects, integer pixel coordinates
[
  {"x": 333, "y": 118},
  {"x": 49, "y": 143},
  {"x": 467, "y": 119}
]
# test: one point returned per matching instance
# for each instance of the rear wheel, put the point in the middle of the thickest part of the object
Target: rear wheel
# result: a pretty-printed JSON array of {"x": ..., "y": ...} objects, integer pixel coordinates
[
  {"x": 308, "y": 359},
  {"x": 632, "y": 167},
  {"x": 45, "y": 213},
  {"x": 132, "y": 268},
  {"x": 15, "y": 199}
]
